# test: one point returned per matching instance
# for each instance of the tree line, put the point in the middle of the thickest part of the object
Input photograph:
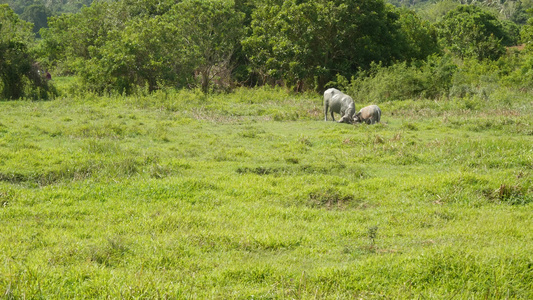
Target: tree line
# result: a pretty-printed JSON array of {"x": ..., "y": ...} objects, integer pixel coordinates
[
  {"x": 37, "y": 12},
  {"x": 126, "y": 46}
]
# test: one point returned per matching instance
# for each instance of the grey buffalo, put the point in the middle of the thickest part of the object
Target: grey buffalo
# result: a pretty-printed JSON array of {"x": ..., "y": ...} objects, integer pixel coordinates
[
  {"x": 370, "y": 115},
  {"x": 337, "y": 102}
]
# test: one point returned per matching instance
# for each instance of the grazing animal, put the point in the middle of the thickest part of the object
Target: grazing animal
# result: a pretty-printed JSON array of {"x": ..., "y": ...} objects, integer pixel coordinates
[
  {"x": 337, "y": 102},
  {"x": 346, "y": 119},
  {"x": 370, "y": 115}
]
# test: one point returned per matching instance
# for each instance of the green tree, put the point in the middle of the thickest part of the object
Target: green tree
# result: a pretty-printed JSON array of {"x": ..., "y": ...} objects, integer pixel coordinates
[
  {"x": 208, "y": 34},
  {"x": 13, "y": 28},
  {"x": 38, "y": 15},
  {"x": 307, "y": 43},
  {"x": 469, "y": 31},
  {"x": 243, "y": 73},
  {"x": 71, "y": 39},
  {"x": 57, "y": 7},
  {"x": 122, "y": 45},
  {"x": 526, "y": 33},
  {"x": 19, "y": 74},
  {"x": 17, "y": 5},
  {"x": 434, "y": 12},
  {"x": 111, "y": 46},
  {"x": 143, "y": 54},
  {"x": 419, "y": 35}
]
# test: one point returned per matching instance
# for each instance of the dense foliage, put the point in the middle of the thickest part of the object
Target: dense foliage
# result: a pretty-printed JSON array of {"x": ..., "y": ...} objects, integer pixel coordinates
[
  {"x": 468, "y": 31},
  {"x": 38, "y": 11},
  {"x": 124, "y": 45},
  {"x": 19, "y": 73},
  {"x": 121, "y": 46},
  {"x": 130, "y": 46},
  {"x": 307, "y": 41}
]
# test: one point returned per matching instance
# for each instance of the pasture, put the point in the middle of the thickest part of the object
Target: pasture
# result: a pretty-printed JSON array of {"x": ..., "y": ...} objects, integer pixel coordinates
[{"x": 251, "y": 195}]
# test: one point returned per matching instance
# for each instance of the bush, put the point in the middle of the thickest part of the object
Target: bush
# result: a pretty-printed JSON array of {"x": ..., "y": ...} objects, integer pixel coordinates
[
  {"x": 19, "y": 74},
  {"x": 423, "y": 79}
]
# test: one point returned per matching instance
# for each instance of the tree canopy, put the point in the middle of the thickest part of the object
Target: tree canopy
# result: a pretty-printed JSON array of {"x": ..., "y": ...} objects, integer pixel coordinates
[
  {"x": 126, "y": 46},
  {"x": 309, "y": 42},
  {"x": 469, "y": 31},
  {"x": 118, "y": 46}
]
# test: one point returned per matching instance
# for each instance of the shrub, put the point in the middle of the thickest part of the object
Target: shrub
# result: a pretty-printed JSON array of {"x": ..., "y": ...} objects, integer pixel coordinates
[
  {"x": 431, "y": 78},
  {"x": 19, "y": 74}
]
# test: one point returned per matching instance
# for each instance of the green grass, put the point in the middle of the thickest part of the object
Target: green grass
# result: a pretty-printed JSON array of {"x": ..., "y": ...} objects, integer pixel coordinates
[{"x": 252, "y": 195}]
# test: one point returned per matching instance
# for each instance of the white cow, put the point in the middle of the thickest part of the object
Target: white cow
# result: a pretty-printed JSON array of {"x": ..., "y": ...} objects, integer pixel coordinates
[{"x": 337, "y": 102}]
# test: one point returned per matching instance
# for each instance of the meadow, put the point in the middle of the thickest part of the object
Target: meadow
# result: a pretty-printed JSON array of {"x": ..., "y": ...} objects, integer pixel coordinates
[{"x": 251, "y": 195}]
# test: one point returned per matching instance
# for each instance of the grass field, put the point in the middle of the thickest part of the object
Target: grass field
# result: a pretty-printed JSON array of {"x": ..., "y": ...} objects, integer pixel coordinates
[{"x": 251, "y": 195}]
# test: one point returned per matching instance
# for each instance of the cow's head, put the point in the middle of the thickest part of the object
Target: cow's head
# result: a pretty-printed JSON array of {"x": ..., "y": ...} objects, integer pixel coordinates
[
  {"x": 357, "y": 118},
  {"x": 346, "y": 119}
]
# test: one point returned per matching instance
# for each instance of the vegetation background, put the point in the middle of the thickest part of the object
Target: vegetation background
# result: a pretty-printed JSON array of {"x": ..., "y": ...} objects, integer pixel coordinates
[{"x": 179, "y": 150}]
